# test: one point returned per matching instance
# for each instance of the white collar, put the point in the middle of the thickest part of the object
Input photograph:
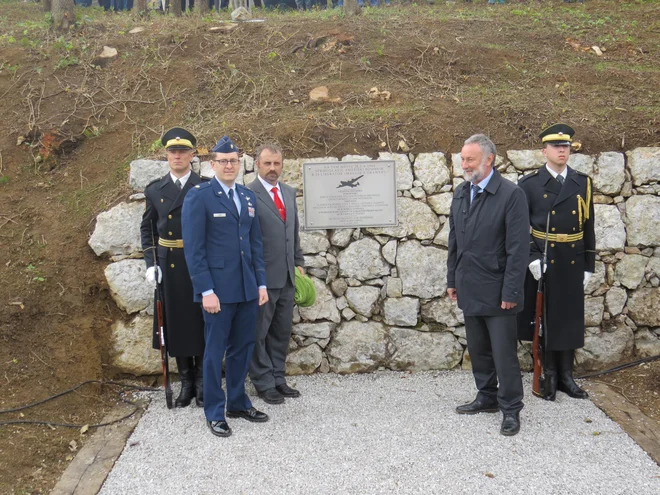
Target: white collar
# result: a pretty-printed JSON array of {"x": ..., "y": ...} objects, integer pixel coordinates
[
  {"x": 555, "y": 174},
  {"x": 183, "y": 179},
  {"x": 268, "y": 186}
]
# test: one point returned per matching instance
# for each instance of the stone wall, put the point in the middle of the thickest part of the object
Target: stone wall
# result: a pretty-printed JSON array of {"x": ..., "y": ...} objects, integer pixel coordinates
[{"x": 381, "y": 291}]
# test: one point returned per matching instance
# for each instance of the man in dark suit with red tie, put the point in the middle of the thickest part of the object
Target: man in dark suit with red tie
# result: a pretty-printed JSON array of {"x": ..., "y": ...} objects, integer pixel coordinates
[
  {"x": 224, "y": 252},
  {"x": 278, "y": 218},
  {"x": 160, "y": 232}
]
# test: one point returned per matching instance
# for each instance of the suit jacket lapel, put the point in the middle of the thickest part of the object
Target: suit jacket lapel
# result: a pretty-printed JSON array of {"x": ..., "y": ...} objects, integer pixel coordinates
[
  {"x": 192, "y": 181},
  {"x": 570, "y": 187},
  {"x": 224, "y": 198},
  {"x": 289, "y": 203},
  {"x": 264, "y": 196}
]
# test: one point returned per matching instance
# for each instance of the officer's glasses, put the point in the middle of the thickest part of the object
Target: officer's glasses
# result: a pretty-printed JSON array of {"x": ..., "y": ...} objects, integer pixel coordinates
[{"x": 224, "y": 162}]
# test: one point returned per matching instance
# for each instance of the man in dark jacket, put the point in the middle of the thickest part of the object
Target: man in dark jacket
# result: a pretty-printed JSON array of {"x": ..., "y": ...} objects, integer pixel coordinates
[
  {"x": 565, "y": 195},
  {"x": 161, "y": 231},
  {"x": 488, "y": 250}
]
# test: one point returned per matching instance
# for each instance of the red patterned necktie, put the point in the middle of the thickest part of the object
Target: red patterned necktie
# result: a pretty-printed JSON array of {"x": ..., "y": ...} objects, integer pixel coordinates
[{"x": 278, "y": 203}]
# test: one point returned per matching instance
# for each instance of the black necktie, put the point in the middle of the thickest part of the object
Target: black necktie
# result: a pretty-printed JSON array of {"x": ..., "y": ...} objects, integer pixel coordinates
[
  {"x": 560, "y": 178},
  {"x": 476, "y": 190},
  {"x": 178, "y": 184},
  {"x": 231, "y": 198}
]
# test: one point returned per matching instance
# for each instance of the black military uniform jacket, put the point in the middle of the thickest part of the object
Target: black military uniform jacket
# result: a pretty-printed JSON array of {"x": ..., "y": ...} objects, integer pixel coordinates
[
  {"x": 571, "y": 252},
  {"x": 161, "y": 232}
]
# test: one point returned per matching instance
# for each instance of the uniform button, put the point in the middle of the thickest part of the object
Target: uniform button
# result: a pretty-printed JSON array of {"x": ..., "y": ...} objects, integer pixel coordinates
[
  {"x": 170, "y": 216},
  {"x": 172, "y": 265},
  {"x": 553, "y": 212},
  {"x": 162, "y": 200},
  {"x": 545, "y": 195},
  {"x": 241, "y": 253},
  {"x": 552, "y": 261},
  {"x": 572, "y": 245},
  {"x": 169, "y": 233},
  {"x": 553, "y": 229},
  {"x": 552, "y": 245},
  {"x": 572, "y": 262},
  {"x": 573, "y": 212},
  {"x": 241, "y": 238},
  {"x": 171, "y": 249},
  {"x": 573, "y": 229}
]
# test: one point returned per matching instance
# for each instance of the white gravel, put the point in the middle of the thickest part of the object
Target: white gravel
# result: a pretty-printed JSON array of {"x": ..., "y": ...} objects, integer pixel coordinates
[{"x": 384, "y": 433}]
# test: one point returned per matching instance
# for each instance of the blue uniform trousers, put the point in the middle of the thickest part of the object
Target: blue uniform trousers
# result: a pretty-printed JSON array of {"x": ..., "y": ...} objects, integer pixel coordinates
[{"x": 231, "y": 331}]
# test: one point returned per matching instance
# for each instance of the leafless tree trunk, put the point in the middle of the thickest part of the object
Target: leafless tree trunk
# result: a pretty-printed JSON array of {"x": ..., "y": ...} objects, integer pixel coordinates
[
  {"x": 175, "y": 7},
  {"x": 141, "y": 6},
  {"x": 202, "y": 7},
  {"x": 47, "y": 6},
  {"x": 64, "y": 15},
  {"x": 351, "y": 7}
]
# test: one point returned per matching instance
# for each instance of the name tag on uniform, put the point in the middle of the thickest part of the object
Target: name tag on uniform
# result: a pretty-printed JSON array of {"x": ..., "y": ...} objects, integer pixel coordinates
[
  {"x": 219, "y": 215},
  {"x": 250, "y": 211}
]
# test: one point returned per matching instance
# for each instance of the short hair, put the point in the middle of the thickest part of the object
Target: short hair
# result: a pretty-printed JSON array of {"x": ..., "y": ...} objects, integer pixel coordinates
[
  {"x": 486, "y": 145},
  {"x": 272, "y": 147}
]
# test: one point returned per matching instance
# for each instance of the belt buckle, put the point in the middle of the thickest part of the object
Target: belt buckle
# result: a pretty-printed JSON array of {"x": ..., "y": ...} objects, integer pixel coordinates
[{"x": 562, "y": 237}]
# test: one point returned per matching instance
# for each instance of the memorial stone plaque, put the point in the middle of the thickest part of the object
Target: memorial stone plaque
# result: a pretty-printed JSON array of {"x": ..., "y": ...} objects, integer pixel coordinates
[{"x": 350, "y": 194}]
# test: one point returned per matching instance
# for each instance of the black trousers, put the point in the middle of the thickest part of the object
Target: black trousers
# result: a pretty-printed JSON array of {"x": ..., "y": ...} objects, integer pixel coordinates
[{"x": 492, "y": 344}]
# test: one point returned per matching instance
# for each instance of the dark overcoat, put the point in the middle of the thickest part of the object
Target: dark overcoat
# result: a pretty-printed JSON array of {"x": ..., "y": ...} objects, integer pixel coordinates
[
  {"x": 184, "y": 322},
  {"x": 571, "y": 252},
  {"x": 488, "y": 247}
]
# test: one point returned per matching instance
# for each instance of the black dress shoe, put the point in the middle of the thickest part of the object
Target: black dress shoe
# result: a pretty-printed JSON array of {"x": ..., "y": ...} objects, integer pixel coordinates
[
  {"x": 219, "y": 428},
  {"x": 510, "y": 424},
  {"x": 477, "y": 406},
  {"x": 272, "y": 396},
  {"x": 287, "y": 391},
  {"x": 250, "y": 414}
]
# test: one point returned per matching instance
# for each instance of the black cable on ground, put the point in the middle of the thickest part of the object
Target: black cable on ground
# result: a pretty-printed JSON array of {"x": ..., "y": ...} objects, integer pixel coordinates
[
  {"x": 621, "y": 367},
  {"x": 70, "y": 425}
]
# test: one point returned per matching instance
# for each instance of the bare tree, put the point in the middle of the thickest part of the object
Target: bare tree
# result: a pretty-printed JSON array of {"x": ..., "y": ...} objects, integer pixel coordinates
[
  {"x": 46, "y": 5},
  {"x": 141, "y": 6},
  {"x": 175, "y": 7},
  {"x": 351, "y": 7},
  {"x": 202, "y": 7},
  {"x": 64, "y": 14}
]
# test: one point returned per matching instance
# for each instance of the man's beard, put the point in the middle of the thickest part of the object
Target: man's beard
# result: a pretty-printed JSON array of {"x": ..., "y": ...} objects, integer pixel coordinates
[{"x": 477, "y": 175}]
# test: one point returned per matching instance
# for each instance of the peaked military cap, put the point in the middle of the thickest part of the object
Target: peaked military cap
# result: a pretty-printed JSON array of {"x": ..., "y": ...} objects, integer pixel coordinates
[
  {"x": 558, "y": 134},
  {"x": 178, "y": 139},
  {"x": 225, "y": 145}
]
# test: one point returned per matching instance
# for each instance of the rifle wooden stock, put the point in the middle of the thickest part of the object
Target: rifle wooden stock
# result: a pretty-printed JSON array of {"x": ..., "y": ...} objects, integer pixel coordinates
[
  {"x": 163, "y": 351},
  {"x": 160, "y": 320},
  {"x": 537, "y": 346}
]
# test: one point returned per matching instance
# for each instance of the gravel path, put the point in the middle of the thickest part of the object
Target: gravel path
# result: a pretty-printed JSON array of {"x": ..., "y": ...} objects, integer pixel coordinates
[{"x": 384, "y": 433}]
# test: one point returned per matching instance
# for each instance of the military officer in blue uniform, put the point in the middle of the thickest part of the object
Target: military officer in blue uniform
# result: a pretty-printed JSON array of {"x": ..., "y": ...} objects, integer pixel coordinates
[
  {"x": 160, "y": 232},
  {"x": 224, "y": 251},
  {"x": 566, "y": 196}
]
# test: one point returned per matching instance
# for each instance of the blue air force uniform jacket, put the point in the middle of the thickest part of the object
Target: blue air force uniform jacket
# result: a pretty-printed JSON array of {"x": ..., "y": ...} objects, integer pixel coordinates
[{"x": 223, "y": 250}]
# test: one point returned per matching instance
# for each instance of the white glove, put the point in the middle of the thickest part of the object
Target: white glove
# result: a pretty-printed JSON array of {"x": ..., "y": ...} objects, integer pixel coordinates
[
  {"x": 535, "y": 269},
  {"x": 151, "y": 274},
  {"x": 587, "y": 276}
]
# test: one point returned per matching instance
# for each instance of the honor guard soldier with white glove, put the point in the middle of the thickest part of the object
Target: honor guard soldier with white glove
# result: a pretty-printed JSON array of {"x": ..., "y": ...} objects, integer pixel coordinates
[
  {"x": 161, "y": 234},
  {"x": 565, "y": 195}
]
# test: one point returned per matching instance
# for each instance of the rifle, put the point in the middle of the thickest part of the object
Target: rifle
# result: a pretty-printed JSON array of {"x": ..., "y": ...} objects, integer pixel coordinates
[
  {"x": 161, "y": 328},
  {"x": 538, "y": 344}
]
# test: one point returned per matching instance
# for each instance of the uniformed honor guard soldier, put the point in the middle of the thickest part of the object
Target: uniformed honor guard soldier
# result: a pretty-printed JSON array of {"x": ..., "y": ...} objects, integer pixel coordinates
[
  {"x": 225, "y": 258},
  {"x": 566, "y": 196},
  {"x": 161, "y": 233}
]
